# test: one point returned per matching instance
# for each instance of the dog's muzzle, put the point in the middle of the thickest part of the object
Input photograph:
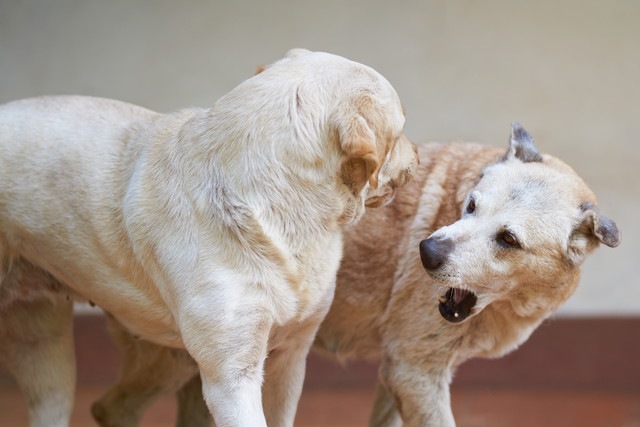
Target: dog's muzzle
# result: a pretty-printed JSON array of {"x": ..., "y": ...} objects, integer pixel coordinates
[{"x": 456, "y": 304}]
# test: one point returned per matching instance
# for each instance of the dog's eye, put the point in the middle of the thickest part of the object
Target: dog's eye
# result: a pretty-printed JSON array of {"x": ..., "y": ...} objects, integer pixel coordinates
[
  {"x": 471, "y": 207},
  {"x": 507, "y": 238}
]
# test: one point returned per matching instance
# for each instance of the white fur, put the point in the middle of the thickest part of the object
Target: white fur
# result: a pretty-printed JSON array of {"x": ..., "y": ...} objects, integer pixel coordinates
[{"x": 216, "y": 230}]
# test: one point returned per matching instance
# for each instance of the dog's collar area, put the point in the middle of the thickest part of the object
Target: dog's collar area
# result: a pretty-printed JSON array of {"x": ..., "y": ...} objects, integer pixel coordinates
[{"x": 456, "y": 304}]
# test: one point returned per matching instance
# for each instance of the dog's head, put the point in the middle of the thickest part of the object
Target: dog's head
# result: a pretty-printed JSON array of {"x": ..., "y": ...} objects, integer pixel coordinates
[
  {"x": 362, "y": 117},
  {"x": 376, "y": 155},
  {"x": 525, "y": 229}
]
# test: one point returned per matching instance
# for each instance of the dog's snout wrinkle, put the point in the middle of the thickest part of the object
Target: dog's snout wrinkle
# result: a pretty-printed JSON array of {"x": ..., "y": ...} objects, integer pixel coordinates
[{"x": 434, "y": 252}]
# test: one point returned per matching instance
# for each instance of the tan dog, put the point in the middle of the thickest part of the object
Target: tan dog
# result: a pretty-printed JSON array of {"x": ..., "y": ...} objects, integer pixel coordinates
[
  {"x": 216, "y": 230},
  {"x": 506, "y": 236}
]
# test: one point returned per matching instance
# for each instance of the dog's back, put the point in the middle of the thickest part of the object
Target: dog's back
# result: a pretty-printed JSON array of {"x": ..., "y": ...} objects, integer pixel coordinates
[{"x": 54, "y": 149}]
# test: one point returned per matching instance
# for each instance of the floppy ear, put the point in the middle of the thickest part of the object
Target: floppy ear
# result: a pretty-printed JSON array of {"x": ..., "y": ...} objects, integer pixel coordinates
[
  {"x": 360, "y": 155},
  {"x": 592, "y": 230},
  {"x": 521, "y": 145}
]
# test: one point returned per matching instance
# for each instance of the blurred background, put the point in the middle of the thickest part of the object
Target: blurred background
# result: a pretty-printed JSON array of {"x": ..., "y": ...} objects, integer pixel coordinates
[{"x": 568, "y": 70}]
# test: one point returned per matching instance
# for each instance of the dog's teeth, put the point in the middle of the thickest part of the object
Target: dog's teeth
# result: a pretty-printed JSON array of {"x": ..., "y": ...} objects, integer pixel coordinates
[
  {"x": 442, "y": 299},
  {"x": 455, "y": 314}
]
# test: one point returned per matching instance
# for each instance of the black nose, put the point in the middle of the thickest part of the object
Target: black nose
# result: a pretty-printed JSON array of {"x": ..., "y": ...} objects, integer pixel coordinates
[{"x": 434, "y": 251}]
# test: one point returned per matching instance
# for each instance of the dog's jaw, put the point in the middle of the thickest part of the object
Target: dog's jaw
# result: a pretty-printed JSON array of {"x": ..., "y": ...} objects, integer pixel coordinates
[{"x": 457, "y": 304}]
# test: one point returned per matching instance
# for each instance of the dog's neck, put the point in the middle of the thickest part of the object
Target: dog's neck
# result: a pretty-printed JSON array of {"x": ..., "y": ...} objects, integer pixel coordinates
[
  {"x": 278, "y": 181},
  {"x": 505, "y": 324}
]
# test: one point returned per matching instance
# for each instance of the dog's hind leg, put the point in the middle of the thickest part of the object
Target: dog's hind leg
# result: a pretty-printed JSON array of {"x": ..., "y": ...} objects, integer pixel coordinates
[
  {"x": 149, "y": 371},
  {"x": 36, "y": 345}
]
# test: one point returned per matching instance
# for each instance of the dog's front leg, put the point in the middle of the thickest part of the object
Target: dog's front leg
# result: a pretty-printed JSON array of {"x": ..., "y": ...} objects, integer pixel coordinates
[
  {"x": 284, "y": 375},
  {"x": 229, "y": 345},
  {"x": 420, "y": 390}
]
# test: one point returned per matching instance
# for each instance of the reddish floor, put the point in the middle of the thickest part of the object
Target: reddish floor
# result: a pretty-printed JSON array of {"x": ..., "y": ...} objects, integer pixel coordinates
[
  {"x": 557, "y": 379},
  {"x": 350, "y": 408}
]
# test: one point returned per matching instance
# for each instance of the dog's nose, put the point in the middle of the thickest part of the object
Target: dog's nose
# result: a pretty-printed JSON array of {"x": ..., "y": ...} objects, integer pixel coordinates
[{"x": 434, "y": 251}]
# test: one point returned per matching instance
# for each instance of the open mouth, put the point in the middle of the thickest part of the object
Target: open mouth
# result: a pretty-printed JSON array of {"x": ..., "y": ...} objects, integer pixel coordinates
[{"x": 456, "y": 304}]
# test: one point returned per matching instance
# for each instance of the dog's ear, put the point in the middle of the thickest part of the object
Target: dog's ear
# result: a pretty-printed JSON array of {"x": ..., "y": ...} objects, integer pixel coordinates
[
  {"x": 292, "y": 53},
  {"x": 521, "y": 145},
  {"x": 360, "y": 154},
  {"x": 296, "y": 52},
  {"x": 593, "y": 229}
]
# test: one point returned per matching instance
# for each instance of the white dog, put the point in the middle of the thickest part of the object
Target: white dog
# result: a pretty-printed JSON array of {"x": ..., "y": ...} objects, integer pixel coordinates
[{"x": 216, "y": 230}]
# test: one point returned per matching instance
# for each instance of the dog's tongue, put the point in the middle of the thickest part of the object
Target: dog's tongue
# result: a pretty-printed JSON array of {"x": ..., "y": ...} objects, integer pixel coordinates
[
  {"x": 458, "y": 295},
  {"x": 456, "y": 304}
]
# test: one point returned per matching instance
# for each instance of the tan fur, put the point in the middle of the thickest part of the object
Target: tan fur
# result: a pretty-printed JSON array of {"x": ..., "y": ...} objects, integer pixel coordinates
[
  {"x": 386, "y": 305},
  {"x": 218, "y": 230}
]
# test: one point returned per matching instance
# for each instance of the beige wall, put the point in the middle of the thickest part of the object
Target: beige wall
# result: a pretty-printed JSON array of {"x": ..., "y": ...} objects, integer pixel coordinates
[{"x": 568, "y": 70}]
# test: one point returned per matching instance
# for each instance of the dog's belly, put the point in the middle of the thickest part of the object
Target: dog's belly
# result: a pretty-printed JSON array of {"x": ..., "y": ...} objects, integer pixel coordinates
[
  {"x": 138, "y": 306},
  {"x": 140, "y": 309},
  {"x": 80, "y": 272},
  {"x": 143, "y": 313}
]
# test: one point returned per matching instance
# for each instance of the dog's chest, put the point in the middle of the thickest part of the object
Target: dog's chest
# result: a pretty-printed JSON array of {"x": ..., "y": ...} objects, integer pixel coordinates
[
  {"x": 304, "y": 325},
  {"x": 318, "y": 267}
]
